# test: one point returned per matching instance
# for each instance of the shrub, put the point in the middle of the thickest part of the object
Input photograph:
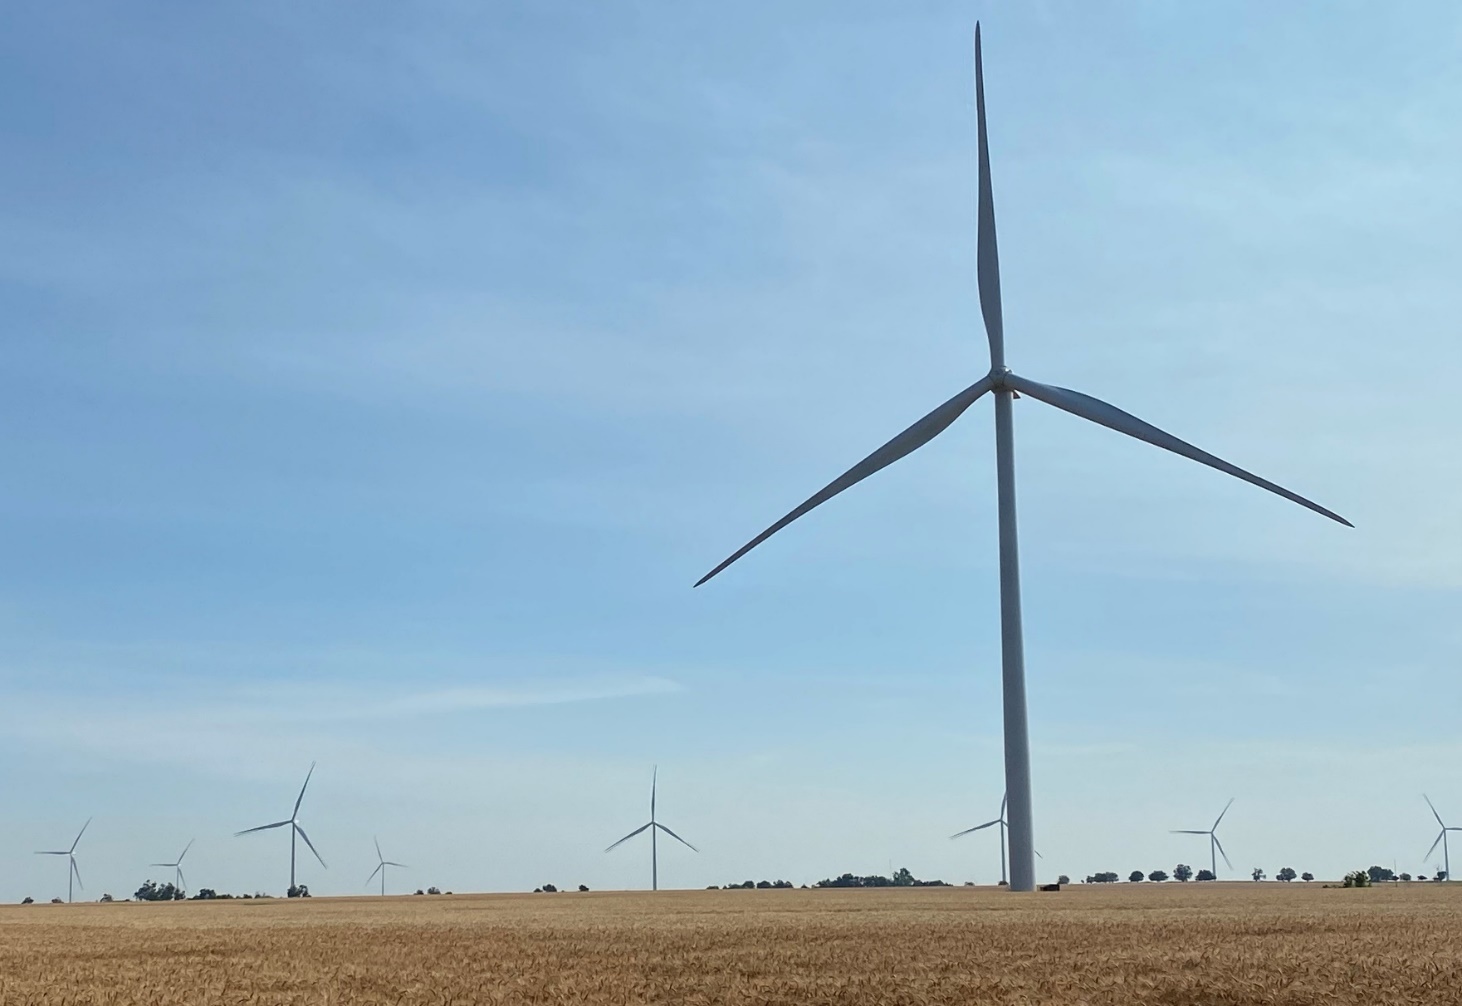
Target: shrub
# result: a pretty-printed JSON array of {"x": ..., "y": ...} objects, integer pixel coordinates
[
  {"x": 29, "y": 901},
  {"x": 583, "y": 888},
  {"x": 1063, "y": 879},
  {"x": 547, "y": 889},
  {"x": 1205, "y": 875}
]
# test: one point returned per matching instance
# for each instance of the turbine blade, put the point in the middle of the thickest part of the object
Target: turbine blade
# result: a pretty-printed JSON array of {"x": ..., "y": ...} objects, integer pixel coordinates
[
  {"x": 378, "y": 848},
  {"x": 80, "y": 833},
  {"x": 173, "y": 865},
  {"x": 182, "y": 879},
  {"x": 262, "y": 827},
  {"x": 184, "y": 852},
  {"x": 978, "y": 827},
  {"x": 300, "y": 799},
  {"x": 1434, "y": 810},
  {"x": 1438, "y": 842},
  {"x": 309, "y": 843},
  {"x": 628, "y": 837},
  {"x": 654, "y": 780},
  {"x": 1099, "y": 412},
  {"x": 1002, "y": 806},
  {"x": 1221, "y": 852},
  {"x": 402, "y": 865},
  {"x": 77, "y": 870},
  {"x": 1187, "y": 831},
  {"x": 677, "y": 837},
  {"x": 910, "y": 440},
  {"x": 54, "y": 852},
  {"x": 1220, "y": 816},
  {"x": 987, "y": 263},
  {"x": 378, "y": 869}
]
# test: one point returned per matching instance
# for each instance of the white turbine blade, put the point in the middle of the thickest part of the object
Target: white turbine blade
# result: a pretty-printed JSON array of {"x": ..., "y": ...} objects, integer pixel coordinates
[
  {"x": 171, "y": 865},
  {"x": 309, "y": 843},
  {"x": 1438, "y": 842},
  {"x": 910, "y": 440},
  {"x": 80, "y": 833},
  {"x": 402, "y": 865},
  {"x": 184, "y": 852},
  {"x": 77, "y": 870},
  {"x": 1221, "y": 852},
  {"x": 654, "y": 780},
  {"x": 1434, "y": 810},
  {"x": 54, "y": 852},
  {"x": 676, "y": 837},
  {"x": 379, "y": 867},
  {"x": 182, "y": 879},
  {"x": 262, "y": 827},
  {"x": 1220, "y": 816},
  {"x": 1187, "y": 831},
  {"x": 987, "y": 263},
  {"x": 1002, "y": 805},
  {"x": 378, "y": 849},
  {"x": 627, "y": 837},
  {"x": 1099, "y": 412},
  {"x": 978, "y": 827},
  {"x": 300, "y": 799}
]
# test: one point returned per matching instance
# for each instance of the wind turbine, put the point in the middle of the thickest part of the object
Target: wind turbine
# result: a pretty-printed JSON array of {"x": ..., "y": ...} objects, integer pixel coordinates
[
  {"x": 1006, "y": 386},
  {"x": 1213, "y": 842},
  {"x": 178, "y": 879},
  {"x": 990, "y": 824},
  {"x": 381, "y": 867},
  {"x": 70, "y": 854},
  {"x": 1441, "y": 839},
  {"x": 294, "y": 828},
  {"x": 653, "y": 827}
]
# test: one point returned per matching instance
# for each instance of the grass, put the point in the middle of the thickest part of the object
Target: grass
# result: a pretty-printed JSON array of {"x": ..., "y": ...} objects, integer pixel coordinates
[{"x": 1210, "y": 944}]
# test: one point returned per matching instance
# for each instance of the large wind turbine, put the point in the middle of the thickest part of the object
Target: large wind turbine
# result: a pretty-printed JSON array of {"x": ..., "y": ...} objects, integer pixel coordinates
[
  {"x": 381, "y": 867},
  {"x": 990, "y": 824},
  {"x": 178, "y": 880},
  {"x": 1441, "y": 839},
  {"x": 1213, "y": 842},
  {"x": 653, "y": 827},
  {"x": 1005, "y": 385},
  {"x": 72, "y": 872},
  {"x": 294, "y": 828}
]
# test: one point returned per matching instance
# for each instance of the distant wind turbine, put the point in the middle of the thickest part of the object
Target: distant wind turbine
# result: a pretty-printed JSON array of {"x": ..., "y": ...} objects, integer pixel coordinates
[
  {"x": 990, "y": 824},
  {"x": 1213, "y": 842},
  {"x": 381, "y": 867},
  {"x": 653, "y": 827},
  {"x": 1006, "y": 386},
  {"x": 72, "y": 872},
  {"x": 294, "y": 828},
  {"x": 1441, "y": 839},
  {"x": 179, "y": 881}
]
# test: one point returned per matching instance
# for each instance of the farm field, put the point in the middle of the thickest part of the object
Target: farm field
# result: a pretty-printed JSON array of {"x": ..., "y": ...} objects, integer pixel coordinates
[{"x": 1195, "y": 944}]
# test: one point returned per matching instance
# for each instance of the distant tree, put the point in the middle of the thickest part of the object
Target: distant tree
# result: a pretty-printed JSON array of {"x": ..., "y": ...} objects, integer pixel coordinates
[
  {"x": 1258, "y": 874},
  {"x": 1063, "y": 879},
  {"x": 536, "y": 890},
  {"x": 712, "y": 887},
  {"x": 1422, "y": 877},
  {"x": 29, "y": 901},
  {"x": 1183, "y": 872},
  {"x": 1136, "y": 876},
  {"x": 57, "y": 901},
  {"x": 903, "y": 878},
  {"x": 1357, "y": 878},
  {"x": 1440, "y": 875},
  {"x": 150, "y": 891},
  {"x": 1106, "y": 877},
  {"x": 549, "y": 888},
  {"x": 582, "y": 888},
  {"x": 300, "y": 891},
  {"x": 1378, "y": 874},
  {"x": 1307, "y": 876},
  {"x": 1157, "y": 876},
  {"x": 1285, "y": 874},
  {"x": 420, "y": 891},
  {"x": 205, "y": 894},
  {"x": 1406, "y": 878},
  {"x": 763, "y": 885},
  {"x": 108, "y": 898}
]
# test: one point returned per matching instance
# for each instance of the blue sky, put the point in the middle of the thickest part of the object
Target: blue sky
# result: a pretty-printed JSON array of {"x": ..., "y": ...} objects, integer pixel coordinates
[{"x": 375, "y": 383}]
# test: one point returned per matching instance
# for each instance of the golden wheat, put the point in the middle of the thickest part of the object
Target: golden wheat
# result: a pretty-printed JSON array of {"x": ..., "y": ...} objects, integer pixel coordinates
[{"x": 1210, "y": 944}]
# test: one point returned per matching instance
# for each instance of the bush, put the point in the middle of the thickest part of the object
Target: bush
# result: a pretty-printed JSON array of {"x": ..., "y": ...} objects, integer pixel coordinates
[
  {"x": 583, "y": 889},
  {"x": 1157, "y": 876},
  {"x": 547, "y": 889},
  {"x": 57, "y": 901},
  {"x": 107, "y": 898},
  {"x": 1136, "y": 877},
  {"x": 435, "y": 890},
  {"x": 29, "y": 901},
  {"x": 1307, "y": 876},
  {"x": 1063, "y": 880},
  {"x": 1205, "y": 875}
]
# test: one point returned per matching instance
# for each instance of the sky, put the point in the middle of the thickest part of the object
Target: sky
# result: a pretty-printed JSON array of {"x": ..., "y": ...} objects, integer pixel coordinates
[{"x": 375, "y": 382}]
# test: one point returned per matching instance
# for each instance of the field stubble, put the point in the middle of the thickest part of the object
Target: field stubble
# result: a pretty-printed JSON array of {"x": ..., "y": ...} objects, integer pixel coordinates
[{"x": 1210, "y": 944}]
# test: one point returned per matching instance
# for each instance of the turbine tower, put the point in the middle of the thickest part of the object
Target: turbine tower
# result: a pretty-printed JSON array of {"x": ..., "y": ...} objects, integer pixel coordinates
[
  {"x": 1215, "y": 848},
  {"x": 653, "y": 827},
  {"x": 1005, "y": 385},
  {"x": 381, "y": 865},
  {"x": 1441, "y": 839},
  {"x": 72, "y": 872},
  {"x": 294, "y": 828},
  {"x": 178, "y": 880}
]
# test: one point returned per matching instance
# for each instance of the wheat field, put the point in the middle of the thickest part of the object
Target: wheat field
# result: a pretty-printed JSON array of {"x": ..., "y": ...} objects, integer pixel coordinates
[{"x": 1207, "y": 944}]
